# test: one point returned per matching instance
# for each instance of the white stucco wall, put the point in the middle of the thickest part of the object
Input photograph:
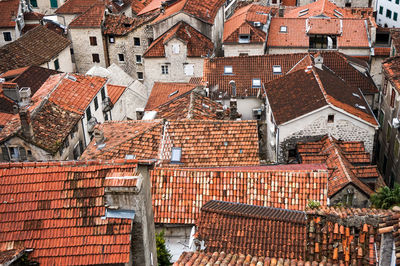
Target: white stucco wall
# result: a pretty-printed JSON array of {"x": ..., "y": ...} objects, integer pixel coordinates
[
  {"x": 245, "y": 106},
  {"x": 64, "y": 59},
  {"x": 237, "y": 49},
  {"x": 44, "y": 7},
  {"x": 384, "y": 21}
]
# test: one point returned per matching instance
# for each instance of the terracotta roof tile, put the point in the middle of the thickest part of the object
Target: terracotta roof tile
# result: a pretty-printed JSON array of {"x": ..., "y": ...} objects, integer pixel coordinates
[
  {"x": 6, "y": 104},
  {"x": 91, "y": 18},
  {"x": 153, "y": 5},
  {"x": 115, "y": 92},
  {"x": 382, "y": 51},
  {"x": 121, "y": 24},
  {"x": 197, "y": 44},
  {"x": 8, "y": 10},
  {"x": 33, "y": 16},
  {"x": 5, "y": 118},
  {"x": 43, "y": 207},
  {"x": 137, "y": 6},
  {"x": 324, "y": 26},
  {"x": 390, "y": 224},
  {"x": 36, "y": 47},
  {"x": 178, "y": 194},
  {"x": 391, "y": 70},
  {"x": 163, "y": 92},
  {"x": 339, "y": 156},
  {"x": 76, "y": 6},
  {"x": 320, "y": 8},
  {"x": 250, "y": 229},
  {"x": 191, "y": 105}
]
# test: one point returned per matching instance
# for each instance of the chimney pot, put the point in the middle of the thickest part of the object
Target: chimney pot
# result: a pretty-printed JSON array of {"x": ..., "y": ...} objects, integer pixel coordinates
[{"x": 26, "y": 125}]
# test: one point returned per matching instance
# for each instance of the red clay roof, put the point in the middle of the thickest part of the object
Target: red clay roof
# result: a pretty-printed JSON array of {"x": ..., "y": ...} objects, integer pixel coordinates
[
  {"x": 353, "y": 32},
  {"x": 76, "y": 6},
  {"x": 245, "y": 17},
  {"x": 121, "y": 24},
  {"x": 178, "y": 194},
  {"x": 8, "y": 11},
  {"x": 91, "y": 18},
  {"x": 163, "y": 92},
  {"x": 203, "y": 142},
  {"x": 153, "y": 5},
  {"x": 76, "y": 95},
  {"x": 204, "y": 11},
  {"x": 250, "y": 229},
  {"x": 115, "y": 92},
  {"x": 197, "y": 44},
  {"x": 55, "y": 207},
  {"x": 320, "y": 8},
  {"x": 339, "y": 157},
  {"x": 33, "y": 16},
  {"x": 391, "y": 70},
  {"x": 36, "y": 47}
]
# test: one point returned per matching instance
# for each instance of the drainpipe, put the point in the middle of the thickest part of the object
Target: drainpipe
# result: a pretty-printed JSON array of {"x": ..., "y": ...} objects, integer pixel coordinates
[{"x": 277, "y": 142}]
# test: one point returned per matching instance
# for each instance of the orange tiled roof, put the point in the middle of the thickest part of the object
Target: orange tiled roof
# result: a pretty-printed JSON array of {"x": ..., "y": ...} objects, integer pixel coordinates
[
  {"x": 391, "y": 70},
  {"x": 382, "y": 51},
  {"x": 338, "y": 157},
  {"x": 55, "y": 207},
  {"x": 76, "y": 95},
  {"x": 121, "y": 24},
  {"x": 203, "y": 142},
  {"x": 115, "y": 92},
  {"x": 178, "y": 194},
  {"x": 191, "y": 105},
  {"x": 76, "y": 6},
  {"x": 353, "y": 32},
  {"x": 36, "y": 47},
  {"x": 244, "y": 17},
  {"x": 390, "y": 224},
  {"x": 137, "y": 6},
  {"x": 91, "y": 18},
  {"x": 163, "y": 92},
  {"x": 320, "y": 8},
  {"x": 250, "y": 229},
  {"x": 204, "y": 11},
  {"x": 196, "y": 43},
  {"x": 153, "y": 5},
  {"x": 8, "y": 9},
  {"x": 33, "y": 16}
]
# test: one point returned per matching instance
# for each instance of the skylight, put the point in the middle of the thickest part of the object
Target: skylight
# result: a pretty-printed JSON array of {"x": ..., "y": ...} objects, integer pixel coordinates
[
  {"x": 283, "y": 29},
  {"x": 256, "y": 83},
  {"x": 277, "y": 69},
  {"x": 172, "y": 94},
  {"x": 336, "y": 11},
  {"x": 228, "y": 70},
  {"x": 176, "y": 154},
  {"x": 361, "y": 106}
]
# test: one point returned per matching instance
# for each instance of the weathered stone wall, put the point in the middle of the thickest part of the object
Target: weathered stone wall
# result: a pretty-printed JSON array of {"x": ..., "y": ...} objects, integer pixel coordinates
[
  {"x": 237, "y": 49},
  {"x": 350, "y": 196}
]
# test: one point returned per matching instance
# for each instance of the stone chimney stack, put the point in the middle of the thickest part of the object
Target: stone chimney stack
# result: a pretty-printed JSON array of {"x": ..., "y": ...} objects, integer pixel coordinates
[
  {"x": 281, "y": 11},
  {"x": 24, "y": 96},
  {"x": 233, "y": 108},
  {"x": 220, "y": 114},
  {"x": 98, "y": 136},
  {"x": 26, "y": 124},
  {"x": 318, "y": 61}
]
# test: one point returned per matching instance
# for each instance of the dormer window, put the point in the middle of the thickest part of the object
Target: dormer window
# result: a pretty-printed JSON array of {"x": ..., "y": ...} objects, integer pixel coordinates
[
  {"x": 256, "y": 83},
  {"x": 283, "y": 29},
  {"x": 228, "y": 70},
  {"x": 176, "y": 154},
  {"x": 277, "y": 69},
  {"x": 244, "y": 38}
]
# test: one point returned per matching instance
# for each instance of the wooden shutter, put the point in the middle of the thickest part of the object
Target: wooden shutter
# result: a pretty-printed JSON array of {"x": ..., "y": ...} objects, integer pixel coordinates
[
  {"x": 4, "y": 151},
  {"x": 22, "y": 154}
]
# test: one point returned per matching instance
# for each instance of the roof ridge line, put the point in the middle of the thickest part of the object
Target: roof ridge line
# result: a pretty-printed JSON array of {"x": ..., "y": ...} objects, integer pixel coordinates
[{"x": 319, "y": 82}]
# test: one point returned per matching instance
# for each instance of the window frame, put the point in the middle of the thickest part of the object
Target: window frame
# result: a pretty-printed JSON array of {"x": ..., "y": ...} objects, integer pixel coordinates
[
  {"x": 121, "y": 58},
  {"x": 56, "y": 64},
  {"x": 96, "y": 58},
  {"x": 139, "y": 61},
  {"x": 226, "y": 70},
  {"x": 93, "y": 40},
  {"x": 388, "y": 13},
  {"x": 136, "y": 41},
  {"x": 8, "y": 35},
  {"x": 164, "y": 70},
  {"x": 138, "y": 75}
]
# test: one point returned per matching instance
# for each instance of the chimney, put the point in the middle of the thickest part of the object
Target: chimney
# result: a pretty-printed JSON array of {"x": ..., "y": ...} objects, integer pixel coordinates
[
  {"x": 26, "y": 125},
  {"x": 281, "y": 11},
  {"x": 318, "y": 61},
  {"x": 233, "y": 108},
  {"x": 128, "y": 195},
  {"x": 220, "y": 114},
  {"x": 98, "y": 136},
  {"x": 24, "y": 96},
  {"x": 139, "y": 113}
]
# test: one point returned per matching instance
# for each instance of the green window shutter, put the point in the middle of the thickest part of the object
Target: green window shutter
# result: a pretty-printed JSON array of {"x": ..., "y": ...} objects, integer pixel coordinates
[
  {"x": 397, "y": 1},
  {"x": 22, "y": 154},
  {"x": 381, "y": 10},
  {"x": 4, "y": 151},
  {"x": 395, "y": 16},
  {"x": 56, "y": 64},
  {"x": 53, "y": 3},
  {"x": 33, "y": 3}
]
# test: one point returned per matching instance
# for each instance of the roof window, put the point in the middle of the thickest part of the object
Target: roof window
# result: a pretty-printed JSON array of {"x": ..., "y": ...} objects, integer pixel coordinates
[
  {"x": 337, "y": 12},
  {"x": 123, "y": 214},
  {"x": 176, "y": 154},
  {"x": 228, "y": 70},
  {"x": 173, "y": 93},
  {"x": 303, "y": 12},
  {"x": 256, "y": 83},
  {"x": 283, "y": 29},
  {"x": 361, "y": 106},
  {"x": 356, "y": 95},
  {"x": 244, "y": 38},
  {"x": 277, "y": 69}
]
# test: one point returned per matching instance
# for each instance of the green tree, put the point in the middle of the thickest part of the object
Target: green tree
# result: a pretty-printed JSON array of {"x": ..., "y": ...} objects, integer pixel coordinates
[
  {"x": 163, "y": 255},
  {"x": 386, "y": 198}
]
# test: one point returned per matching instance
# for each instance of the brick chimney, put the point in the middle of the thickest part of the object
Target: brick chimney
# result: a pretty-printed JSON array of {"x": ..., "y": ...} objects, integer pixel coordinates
[
  {"x": 233, "y": 108},
  {"x": 24, "y": 96},
  {"x": 26, "y": 124}
]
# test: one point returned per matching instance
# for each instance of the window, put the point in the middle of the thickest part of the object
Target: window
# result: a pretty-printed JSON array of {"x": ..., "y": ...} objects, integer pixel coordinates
[
  {"x": 256, "y": 83},
  {"x": 140, "y": 75},
  {"x": 164, "y": 69},
  {"x": 33, "y": 3},
  {"x": 243, "y": 54},
  {"x": 381, "y": 10},
  {"x": 388, "y": 13},
  {"x": 103, "y": 93},
  {"x": 136, "y": 41},
  {"x": 388, "y": 131},
  {"x": 176, "y": 154},
  {"x": 228, "y": 70},
  {"x": 96, "y": 58},
  {"x": 320, "y": 41},
  {"x": 385, "y": 83},
  {"x": 277, "y": 69},
  {"x": 7, "y": 36},
  {"x": 138, "y": 59},
  {"x": 111, "y": 39},
  {"x": 393, "y": 97},
  {"x": 175, "y": 48},
  {"x": 283, "y": 29},
  {"x": 105, "y": 117},
  {"x": 188, "y": 69},
  {"x": 395, "y": 16},
  {"x": 244, "y": 38},
  {"x": 149, "y": 41},
  {"x": 53, "y": 4},
  {"x": 331, "y": 118},
  {"x": 381, "y": 117},
  {"x": 121, "y": 57},
  {"x": 88, "y": 114},
  {"x": 93, "y": 41},
  {"x": 96, "y": 103},
  {"x": 56, "y": 64},
  {"x": 397, "y": 2}
]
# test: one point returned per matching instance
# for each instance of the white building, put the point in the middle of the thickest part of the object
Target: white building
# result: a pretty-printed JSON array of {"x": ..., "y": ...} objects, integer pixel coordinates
[{"x": 387, "y": 13}]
